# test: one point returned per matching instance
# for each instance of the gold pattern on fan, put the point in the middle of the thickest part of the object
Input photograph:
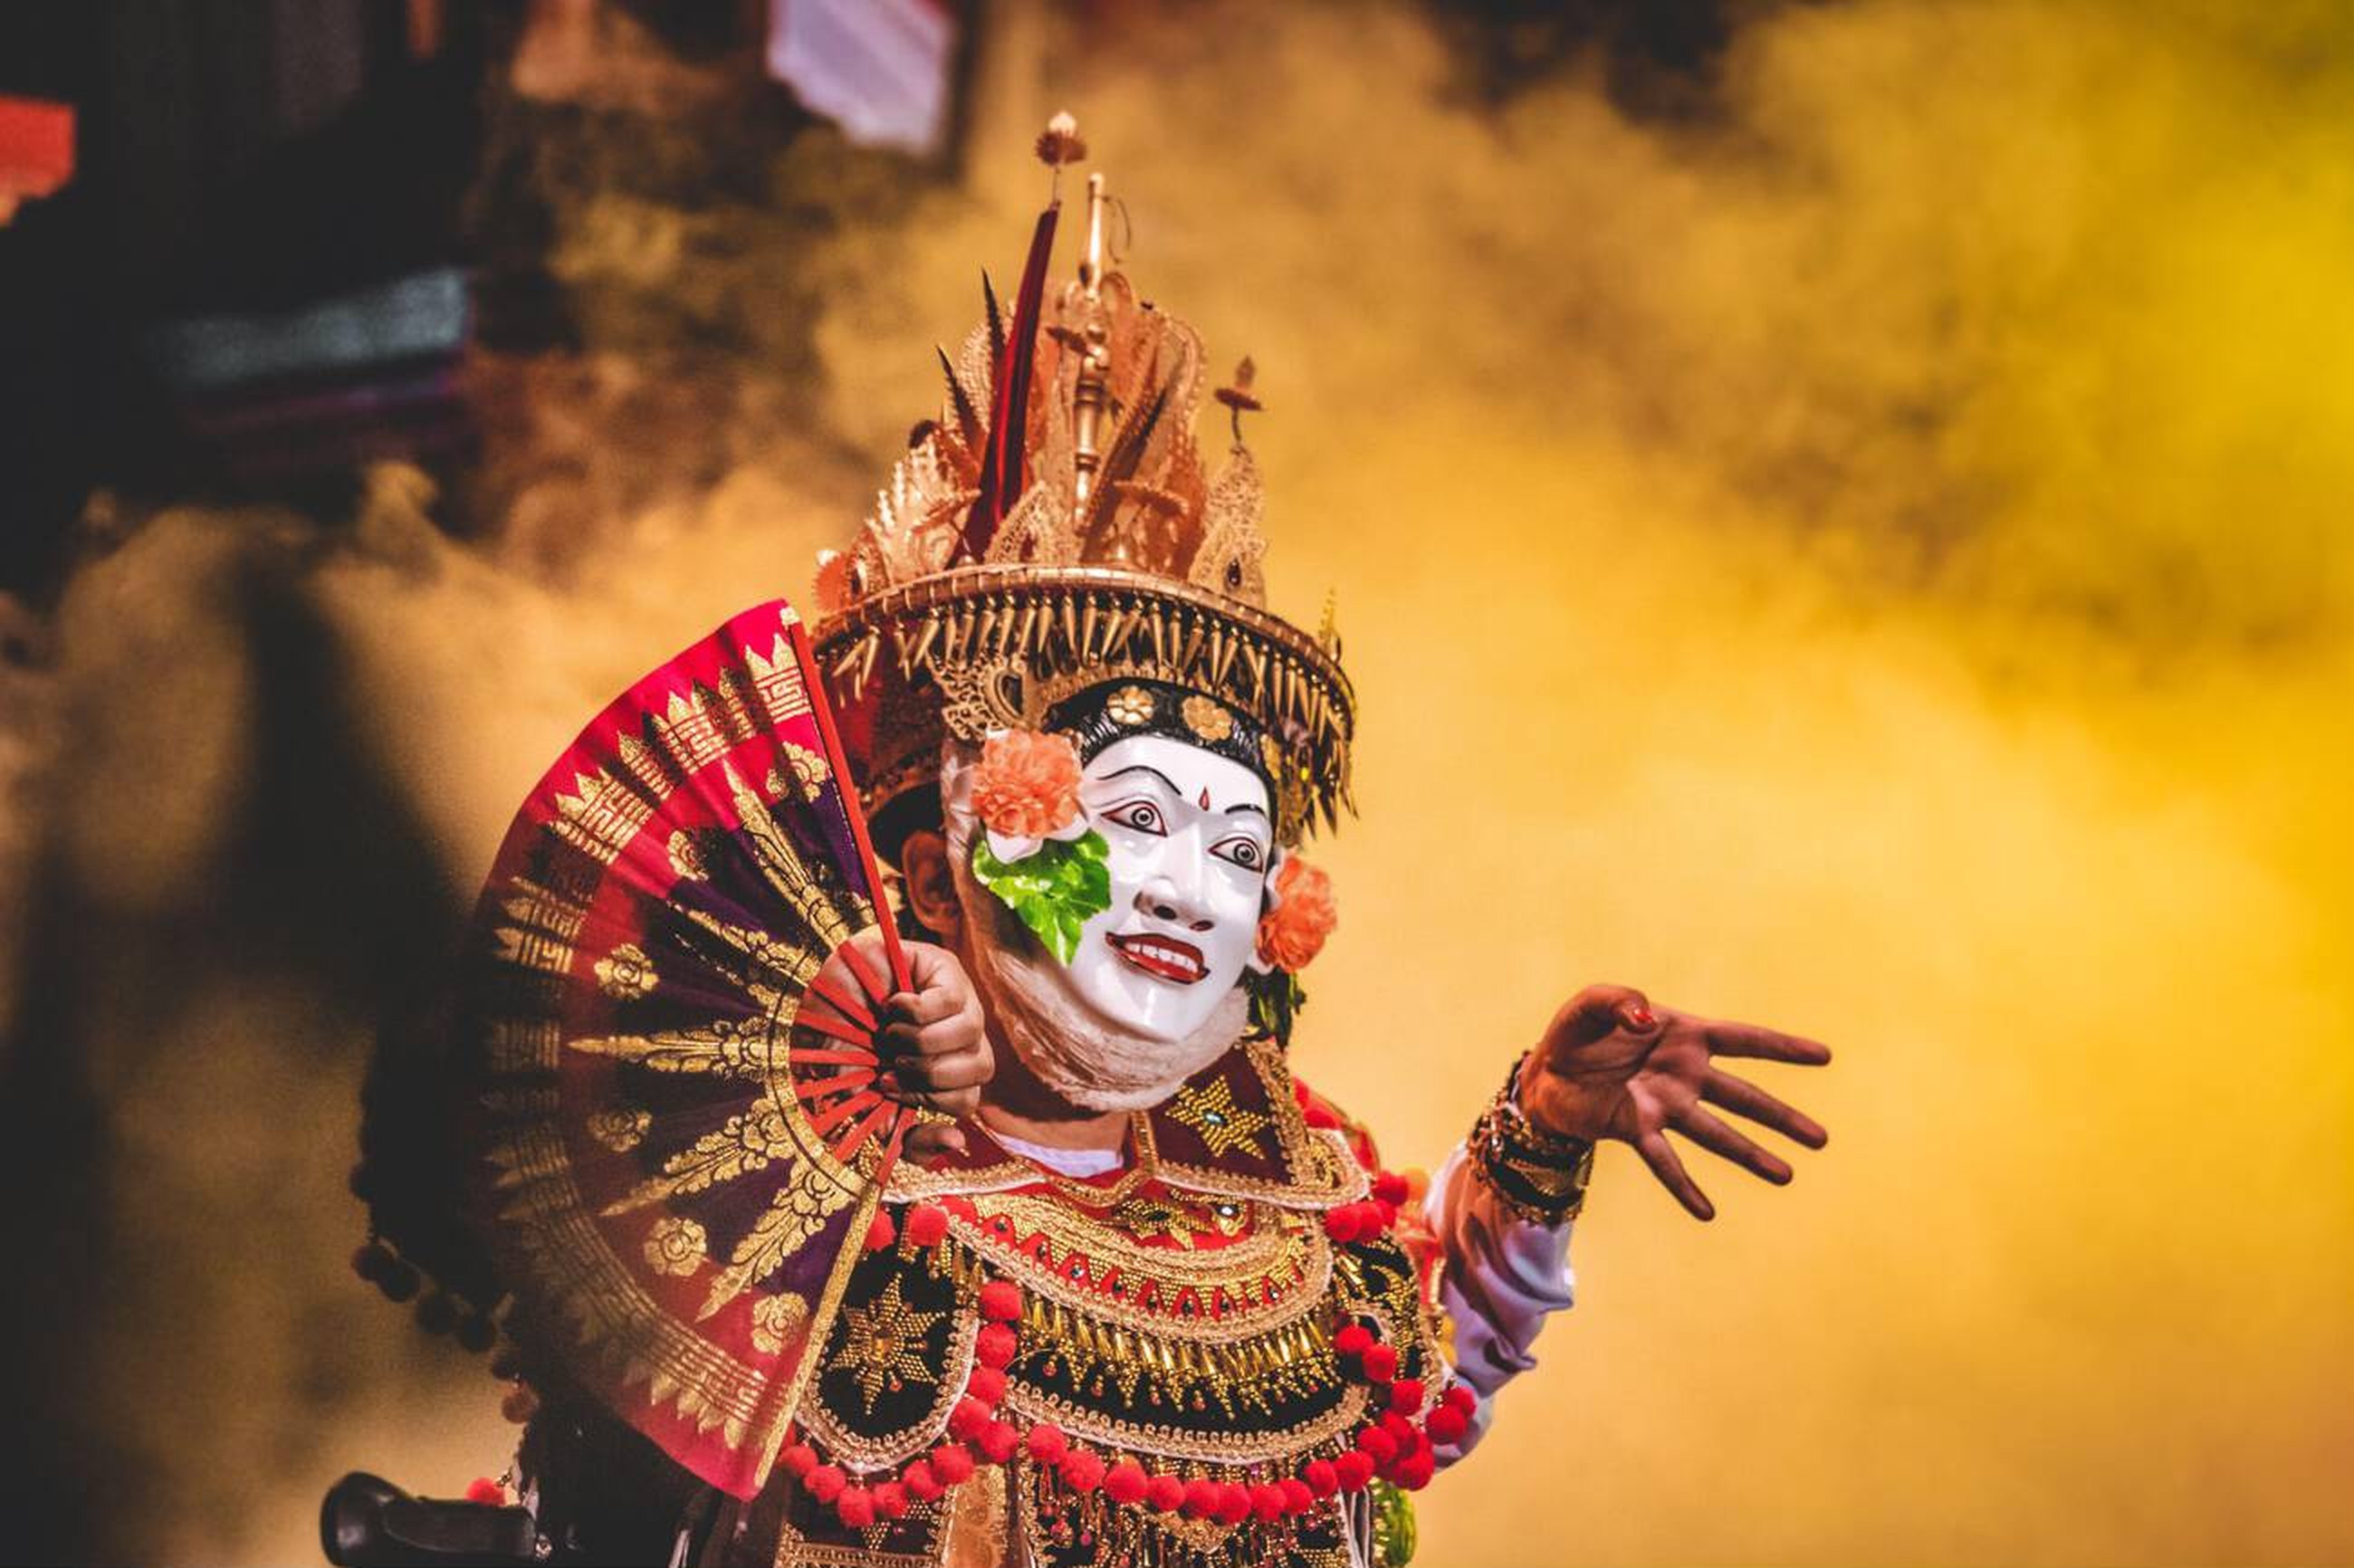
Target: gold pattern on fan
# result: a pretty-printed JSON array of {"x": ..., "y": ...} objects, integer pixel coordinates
[
  {"x": 676, "y": 1245},
  {"x": 810, "y": 773},
  {"x": 687, "y": 857},
  {"x": 621, "y": 1127},
  {"x": 778, "y": 1320},
  {"x": 626, "y": 973}
]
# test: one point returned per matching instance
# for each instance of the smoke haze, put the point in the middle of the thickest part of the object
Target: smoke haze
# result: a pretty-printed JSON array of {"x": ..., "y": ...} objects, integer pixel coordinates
[{"x": 1863, "y": 553}]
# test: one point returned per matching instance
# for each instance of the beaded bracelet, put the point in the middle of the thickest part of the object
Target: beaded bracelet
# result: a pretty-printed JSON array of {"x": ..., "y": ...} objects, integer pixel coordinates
[{"x": 1538, "y": 1175}]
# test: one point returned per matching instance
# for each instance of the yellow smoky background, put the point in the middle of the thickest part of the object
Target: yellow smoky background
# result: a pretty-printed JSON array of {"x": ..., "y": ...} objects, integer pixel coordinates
[{"x": 1866, "y": 554}]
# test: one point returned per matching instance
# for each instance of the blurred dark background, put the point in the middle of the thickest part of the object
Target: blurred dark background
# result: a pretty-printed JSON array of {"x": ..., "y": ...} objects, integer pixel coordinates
[{"x": 290, "y": 229}]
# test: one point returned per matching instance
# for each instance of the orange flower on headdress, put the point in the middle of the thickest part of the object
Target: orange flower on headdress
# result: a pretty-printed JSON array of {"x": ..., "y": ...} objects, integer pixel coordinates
[
  {"x": 1026, "y": 784},
  {"x": 1292, "y": 933}
]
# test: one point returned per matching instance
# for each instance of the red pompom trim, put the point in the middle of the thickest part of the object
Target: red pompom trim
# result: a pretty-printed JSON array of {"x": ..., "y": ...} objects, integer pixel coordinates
[
  {"x": 891, "y": 1499},
  {"x": 994, "y": 1346},
  {"x": 1381, "y": 1364},
  {"x": 997, "y": 1441},
  {"x": 1125, "y": 1482},
  {"x": 1233, "y": 1503},
  {"x": 1406, "y": 1394},
  {"x": 1447, "y": 1425},
  {"x": 825, "y": 1482},
  {"x": 1267, "y": 1500},
  {"x": 1201, "y": 1498},
  {"x": 920, "y": 1480},
  {"x": 1343, "y": 1224},
  {"x": 1460, "y": 1396},
  {"x": 1321, "y": 1478},
  {"x": 928, "y": 1225},
  {"x": 880, "y": 1231},
  {"x": 1082, "y": 1471},
  {"x": 1353, "y": 1340},
  {"x": 952, "y": 1463},
  {"x": 855, "y": 1507},
  {"x": 1390, "y": 1188},
  {"x": 1354, "y": 1470},
  {"x": 967, "y": 1418},
  {"x": 1000, "y": 1300},
  {"x": 798, "y": 1459},
  {"x": 1166, "y": 1493},
  {"x": 1046, "y": 1443},
  {"x": 1377, "y": 1444},
  {"x": 1297, "y": 1498},
  {"x": 986, "y": 1384}
]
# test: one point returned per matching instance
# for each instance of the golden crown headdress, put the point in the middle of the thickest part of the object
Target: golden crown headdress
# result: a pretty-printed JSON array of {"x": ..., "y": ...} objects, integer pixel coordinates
[{"x": 1055, "y": 529}]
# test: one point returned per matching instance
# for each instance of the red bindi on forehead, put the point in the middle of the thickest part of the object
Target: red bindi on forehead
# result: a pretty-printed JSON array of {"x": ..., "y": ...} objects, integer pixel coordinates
[{"x": 1205, "y": 800}]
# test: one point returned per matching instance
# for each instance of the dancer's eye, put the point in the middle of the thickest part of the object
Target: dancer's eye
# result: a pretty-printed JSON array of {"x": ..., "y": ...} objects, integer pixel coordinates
[
  {"x": 1242, "y": 849},
  {"x": 1143, "y": 816}
]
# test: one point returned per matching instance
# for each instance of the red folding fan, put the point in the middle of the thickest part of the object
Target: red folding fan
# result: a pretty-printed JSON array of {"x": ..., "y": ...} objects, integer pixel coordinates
[{"x": 676, "y": 983}]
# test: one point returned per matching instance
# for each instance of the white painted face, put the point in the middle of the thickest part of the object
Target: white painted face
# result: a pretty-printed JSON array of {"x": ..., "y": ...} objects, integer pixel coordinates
[{"x": 1191, "y": 840}]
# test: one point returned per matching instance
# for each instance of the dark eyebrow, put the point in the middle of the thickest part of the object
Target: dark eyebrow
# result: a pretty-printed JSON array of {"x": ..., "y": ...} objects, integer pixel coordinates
[
  {"x": 1146, "y": 768},
  {"x": 1167, "y": 784}
]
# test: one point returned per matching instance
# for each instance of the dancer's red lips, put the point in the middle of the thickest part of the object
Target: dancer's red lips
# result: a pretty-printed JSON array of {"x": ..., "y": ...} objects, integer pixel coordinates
[{"x": 1163, "y": 958}]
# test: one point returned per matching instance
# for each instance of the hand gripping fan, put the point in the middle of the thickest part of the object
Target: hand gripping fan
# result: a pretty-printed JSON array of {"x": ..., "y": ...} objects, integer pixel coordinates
[{"x": 671, "y": 1100}]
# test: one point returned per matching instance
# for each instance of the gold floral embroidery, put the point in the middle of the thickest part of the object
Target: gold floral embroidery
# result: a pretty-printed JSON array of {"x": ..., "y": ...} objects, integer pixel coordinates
[
  {"x": 1179, "y": 1220},
  {"x": 777, "y": 1319},
  {"x": 676, "y": 1245},
  {"x": 1130, "y": 705},
  {"x": 810, "y": 773},
  {"x": 626, "y": 973},
  {"x": 1210, "y": 1111},
  {"x": 1146, "y": 1218},
  {"x": 1211, "y": 720},
  {"x": 1270, "y": 1275},
  {"x": 622, "y": 1128},
  {"x": 884, "y": 1346},
  {"x": 687, "y": 857}
]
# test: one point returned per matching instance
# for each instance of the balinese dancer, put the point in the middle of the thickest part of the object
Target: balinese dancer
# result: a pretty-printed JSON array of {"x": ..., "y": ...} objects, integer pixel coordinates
[{"x": 996, "y": 1228}]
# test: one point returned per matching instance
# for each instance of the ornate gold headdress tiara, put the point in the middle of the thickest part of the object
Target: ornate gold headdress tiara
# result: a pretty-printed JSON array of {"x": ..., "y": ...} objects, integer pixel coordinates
[{"x": 1055, "y": 527}]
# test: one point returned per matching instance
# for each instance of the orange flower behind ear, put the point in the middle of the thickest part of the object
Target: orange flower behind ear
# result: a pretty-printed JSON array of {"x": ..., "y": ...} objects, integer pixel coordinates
[
  {"x": 1026, "y": 784},
  {"x": 1293, "y": 932}
]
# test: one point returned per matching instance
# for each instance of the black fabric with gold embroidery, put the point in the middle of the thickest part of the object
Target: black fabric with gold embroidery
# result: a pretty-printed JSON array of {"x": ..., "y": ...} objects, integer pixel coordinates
[
  {"x": 1119, "y": 710},
  {"x": 897, "y": 1358}
]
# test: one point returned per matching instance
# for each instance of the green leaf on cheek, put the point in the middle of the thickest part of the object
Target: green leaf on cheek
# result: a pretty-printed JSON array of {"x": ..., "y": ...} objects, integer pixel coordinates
[{"x": 1054, "y": 891}]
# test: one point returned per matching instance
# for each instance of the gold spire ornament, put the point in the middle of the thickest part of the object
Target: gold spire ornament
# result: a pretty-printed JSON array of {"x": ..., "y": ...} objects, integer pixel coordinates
[
  {"x": 1238, "y": 396},
  {"x": 1057, "y": 527}
]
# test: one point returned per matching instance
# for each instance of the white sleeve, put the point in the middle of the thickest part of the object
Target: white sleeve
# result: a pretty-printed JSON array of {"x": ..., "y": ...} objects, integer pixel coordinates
[{"x": 1502, "y": 1275}]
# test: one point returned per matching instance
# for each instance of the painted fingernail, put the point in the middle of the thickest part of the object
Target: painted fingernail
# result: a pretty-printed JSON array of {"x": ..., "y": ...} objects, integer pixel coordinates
[{"x": 1638, "y": 1016}]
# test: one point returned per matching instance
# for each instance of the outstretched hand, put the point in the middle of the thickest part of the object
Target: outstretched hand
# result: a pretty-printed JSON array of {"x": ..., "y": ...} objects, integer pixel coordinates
[{"x": 1612, "y": 1066}]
